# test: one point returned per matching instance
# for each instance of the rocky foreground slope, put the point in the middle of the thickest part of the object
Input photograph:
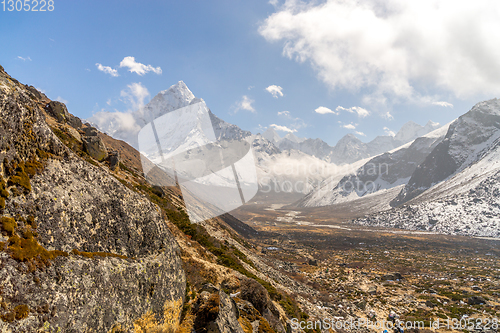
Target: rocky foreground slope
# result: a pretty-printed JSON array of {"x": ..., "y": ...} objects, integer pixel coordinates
[{"x": 81, "y": 252}]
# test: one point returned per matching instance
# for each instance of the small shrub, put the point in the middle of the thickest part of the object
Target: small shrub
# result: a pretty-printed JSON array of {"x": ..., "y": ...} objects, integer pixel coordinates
[
  {"x": 9, "y": 225},
  {"x": 255, "y": 293},
  {"x": 21, "y": 311}
]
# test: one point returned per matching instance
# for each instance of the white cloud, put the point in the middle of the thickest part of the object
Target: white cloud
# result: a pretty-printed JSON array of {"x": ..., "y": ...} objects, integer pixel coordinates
[
  {"x": 135, "y": 94},
  {"x": 360, "y": 133},
  {"x": 123, "y": 121},
  {"x": 276, "y": 91},
  {"x": 107, "y": 70},
  {"x": 244, "y": 104},
  {"x": 391, "y": 49},
  {"x": 349, "y": 126},
  {"x": 137, "y": 67},
  {"x": 443, "y": 104},
  {"x": 388, "y": 116},
  {"x": 24, "y": 59},
  {"x": 283, "y": 128},
  {"x": 62, "y": 100},
  {"x": 362, "y": 113},
  {"x": 324, "y": 110},
  {"x": 389, "y": 132},
  {"x": 295, "y": 123}
]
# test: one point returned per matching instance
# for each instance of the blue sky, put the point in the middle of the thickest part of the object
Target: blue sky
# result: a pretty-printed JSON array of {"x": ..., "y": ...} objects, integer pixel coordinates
[{"x": 364, "y": 67}]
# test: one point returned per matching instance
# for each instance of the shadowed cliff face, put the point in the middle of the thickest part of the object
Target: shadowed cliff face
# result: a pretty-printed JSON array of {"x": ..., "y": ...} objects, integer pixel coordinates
[{"x": 80, "y": 252}]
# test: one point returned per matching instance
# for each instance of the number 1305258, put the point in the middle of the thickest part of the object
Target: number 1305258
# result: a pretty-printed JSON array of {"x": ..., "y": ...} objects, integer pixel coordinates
[{"x": 27, "y": 5}]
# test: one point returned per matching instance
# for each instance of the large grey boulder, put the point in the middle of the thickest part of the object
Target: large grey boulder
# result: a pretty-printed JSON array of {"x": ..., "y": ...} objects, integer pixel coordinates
[
  {"x": 95, "y": 147},
  {"x": 90, "y": 130},
  {"x": 58, "y": 110},
  {"x": 114, "y": 160},
  {"x": 74, "y": 121}
]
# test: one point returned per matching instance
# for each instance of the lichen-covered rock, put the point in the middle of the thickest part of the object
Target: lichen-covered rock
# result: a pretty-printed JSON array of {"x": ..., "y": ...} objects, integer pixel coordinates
[
  {"x": 216, "y": 312},
  {"x": 58, "y": 110},
  {"x": 90, "y": 131},
  {"x": 227, "y": 320},
  {"x": 79, "y": 251},
  {"x": 95, "y": 147},
  {"x": 114, "y": 160},
  {"x": 74, "y": 121}
]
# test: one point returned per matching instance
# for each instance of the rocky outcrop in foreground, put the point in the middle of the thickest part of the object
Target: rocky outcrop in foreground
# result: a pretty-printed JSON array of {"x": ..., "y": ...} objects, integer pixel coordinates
[{"x": 80, "y": 251}]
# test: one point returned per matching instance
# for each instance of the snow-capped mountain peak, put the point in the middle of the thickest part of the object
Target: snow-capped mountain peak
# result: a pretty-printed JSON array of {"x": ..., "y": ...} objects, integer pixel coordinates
[
  {"x": 408, "y": 131},
  {"x": 271, "y": 135},
  {"x": 173, "y": 98},
  {"x": 292, "y": 137},
  {"x": 431, "y": 126},
  {"x": 125, "y": 126}
]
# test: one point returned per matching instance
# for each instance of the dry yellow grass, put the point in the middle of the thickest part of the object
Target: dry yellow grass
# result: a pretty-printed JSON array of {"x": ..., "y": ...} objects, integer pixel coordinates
[
  {"x": 187, "y": 324},
  {"x": 245, "y": 324},
  {"x": 171, "y": 315}
]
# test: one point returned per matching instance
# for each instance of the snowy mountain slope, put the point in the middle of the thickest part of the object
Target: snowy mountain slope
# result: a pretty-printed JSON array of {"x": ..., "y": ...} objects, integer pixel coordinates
[
  {"x": 290, "y": 141},
  {"x": 412, "y": 130},
  {"x": 461, "y": 194},
  {"x": 382, "y": 144},
  {"x": 227, "y": 131},
  {"x": 292, "y": 137},
  {"x": 466, "y": 204},
  {"x": 386, "y": 171},
  {"x": 467, "y": 140}
]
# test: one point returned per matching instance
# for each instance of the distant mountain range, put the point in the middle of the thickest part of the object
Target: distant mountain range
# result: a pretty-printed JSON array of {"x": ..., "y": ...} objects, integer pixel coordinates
[
  {"x": 273, "y": 153},
  {"x": 443, "y": 179},
  {"x": 349, "y": 149}
]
